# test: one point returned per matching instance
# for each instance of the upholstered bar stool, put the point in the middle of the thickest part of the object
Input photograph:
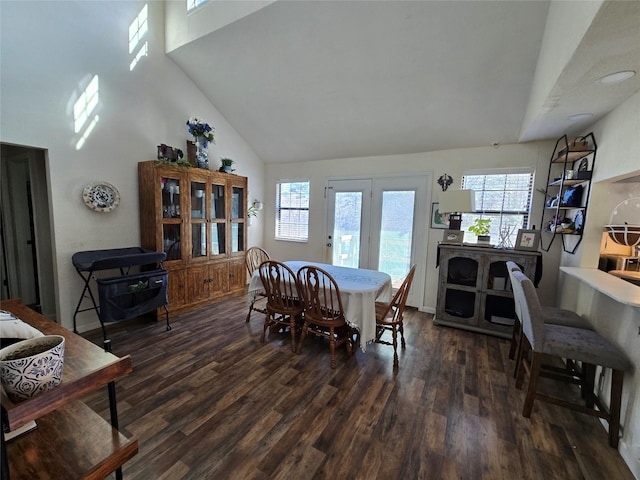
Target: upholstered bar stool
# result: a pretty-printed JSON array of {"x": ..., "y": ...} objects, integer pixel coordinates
[
  {"x": 570, "y": 343},
  {"x": 552, "y": 315}
]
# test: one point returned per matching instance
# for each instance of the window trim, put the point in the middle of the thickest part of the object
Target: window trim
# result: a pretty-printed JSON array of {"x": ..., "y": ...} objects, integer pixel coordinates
[
  {"x": 506, "y": 171},
  {"x": 278, "y": 209}
]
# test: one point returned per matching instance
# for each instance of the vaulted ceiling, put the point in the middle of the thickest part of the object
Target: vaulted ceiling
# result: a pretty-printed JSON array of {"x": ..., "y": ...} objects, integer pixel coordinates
[{"x": 309, "y": 80}]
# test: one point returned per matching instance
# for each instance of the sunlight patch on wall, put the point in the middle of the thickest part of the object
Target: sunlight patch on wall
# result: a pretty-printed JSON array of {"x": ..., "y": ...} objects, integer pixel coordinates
[
  {"x": 87, "y": 132},
  {"x": 137, "y": 30},
  {"x": 86, "y": 104},
  {"x": 84, "y": 108},
  {"x": 141, "y": 53}
]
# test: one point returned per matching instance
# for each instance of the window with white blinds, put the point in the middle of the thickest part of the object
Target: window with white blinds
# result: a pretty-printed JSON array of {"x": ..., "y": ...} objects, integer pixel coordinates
[
  {"x": 504, "y": 196},
  {"x": 292, "y": 211}
]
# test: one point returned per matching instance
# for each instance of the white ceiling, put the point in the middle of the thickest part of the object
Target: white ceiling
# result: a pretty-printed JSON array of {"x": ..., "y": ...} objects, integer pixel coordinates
[{"x": 309, "y": 80}]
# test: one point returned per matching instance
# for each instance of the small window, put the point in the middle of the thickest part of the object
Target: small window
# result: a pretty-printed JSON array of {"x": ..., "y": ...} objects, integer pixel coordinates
[
  {"x": 502, "y": 196},
  {"x": 292, "y": 211},
  {"x": 191, "y": 4}
]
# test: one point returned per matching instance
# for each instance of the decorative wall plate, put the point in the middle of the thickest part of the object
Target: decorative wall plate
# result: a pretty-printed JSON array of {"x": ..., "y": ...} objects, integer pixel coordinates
[{"x": 101, "y": 196}]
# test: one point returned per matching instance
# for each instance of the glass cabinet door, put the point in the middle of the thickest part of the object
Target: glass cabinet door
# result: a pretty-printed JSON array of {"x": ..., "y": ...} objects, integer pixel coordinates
[
  {"x": 218, "y": 217},
  {"x": 237, "y": 214},
  {"x": 171, "y": 224},
  {"x": 237, "y": 237},
  {"x": 198, "y": 240},
  {"x": 237, "y": 202},
  {"x": 171, "y": 241},
  {"x": 217, "y": 202},
  {"x": 198, "y": 202},
  {"x": 170, "y": 197},
  {"x": 198, "y": 219},
  {"x": 218, "y": 241}
]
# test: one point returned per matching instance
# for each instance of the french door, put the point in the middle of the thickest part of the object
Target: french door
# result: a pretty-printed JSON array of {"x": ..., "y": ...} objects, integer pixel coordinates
[{"x": 380, "y": 224}]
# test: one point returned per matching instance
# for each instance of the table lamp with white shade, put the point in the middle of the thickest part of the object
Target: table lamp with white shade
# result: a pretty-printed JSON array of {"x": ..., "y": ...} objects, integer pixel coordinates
[{"x": 456, "y": 202}]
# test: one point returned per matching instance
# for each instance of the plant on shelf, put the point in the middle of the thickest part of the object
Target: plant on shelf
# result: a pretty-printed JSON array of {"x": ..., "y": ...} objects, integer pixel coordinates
[
  {"x": 226, "y": 165},
  {"x": 481, "y": 228}
]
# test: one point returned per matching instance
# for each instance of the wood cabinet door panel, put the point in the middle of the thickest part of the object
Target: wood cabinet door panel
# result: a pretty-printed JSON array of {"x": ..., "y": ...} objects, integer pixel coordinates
[
  {"x": 198, "y": 283},
  {"x": 176, "y": 288},
  {"x": 237, "y": 275},
  {"x": 219, "y": 273}
]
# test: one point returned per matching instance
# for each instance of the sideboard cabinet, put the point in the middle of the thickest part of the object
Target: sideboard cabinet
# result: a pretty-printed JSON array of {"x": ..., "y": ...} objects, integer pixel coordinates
[
  {"x": 474, "y": 292},
  {"x": 198, "y": 218}
]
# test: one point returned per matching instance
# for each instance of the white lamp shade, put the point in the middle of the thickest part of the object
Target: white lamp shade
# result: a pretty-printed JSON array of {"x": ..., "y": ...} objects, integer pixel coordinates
[{"x": 457, "y": 201}]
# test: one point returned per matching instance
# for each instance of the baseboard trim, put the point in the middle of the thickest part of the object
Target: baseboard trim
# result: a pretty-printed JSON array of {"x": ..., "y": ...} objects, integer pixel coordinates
[
  {"x": 631, "y": 456},
  {"x": 629, "y": 453}
]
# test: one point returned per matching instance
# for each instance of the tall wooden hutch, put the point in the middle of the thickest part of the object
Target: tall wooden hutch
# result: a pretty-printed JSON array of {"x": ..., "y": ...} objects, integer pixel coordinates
[{"x": 198, "y": 218}]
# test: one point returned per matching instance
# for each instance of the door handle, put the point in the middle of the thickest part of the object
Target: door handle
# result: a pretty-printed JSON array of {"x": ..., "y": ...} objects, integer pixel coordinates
[{"x": 329, "y": 244}]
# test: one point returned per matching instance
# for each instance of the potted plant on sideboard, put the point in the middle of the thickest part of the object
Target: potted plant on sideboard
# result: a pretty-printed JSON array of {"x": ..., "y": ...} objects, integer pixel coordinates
[{"x": 481, "y": 228}]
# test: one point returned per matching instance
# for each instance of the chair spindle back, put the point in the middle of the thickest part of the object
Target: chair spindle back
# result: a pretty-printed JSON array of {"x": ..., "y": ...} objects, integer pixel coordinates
[{"x": 320, "y": 294}]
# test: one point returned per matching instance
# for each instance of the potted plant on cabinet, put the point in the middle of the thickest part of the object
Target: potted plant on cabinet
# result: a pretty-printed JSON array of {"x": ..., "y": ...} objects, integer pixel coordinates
[
  {"x": 226, "y": 165},
  {"x": 481, "y": 228}
]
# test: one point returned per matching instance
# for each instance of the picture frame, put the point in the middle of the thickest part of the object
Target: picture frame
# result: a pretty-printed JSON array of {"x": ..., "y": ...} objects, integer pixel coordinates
[
  {"x": 438, "y": 220},
  {"x": 528, "y": 240},
  {"x": 452, "y": 236}
]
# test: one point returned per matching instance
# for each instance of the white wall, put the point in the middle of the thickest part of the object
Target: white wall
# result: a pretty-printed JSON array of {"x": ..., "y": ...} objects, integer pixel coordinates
[
  {"x": 49, "y": 51},
  {"x": 452, "y": 162}
]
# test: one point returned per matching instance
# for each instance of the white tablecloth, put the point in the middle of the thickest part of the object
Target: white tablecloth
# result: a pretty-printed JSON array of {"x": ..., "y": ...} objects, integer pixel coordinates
[{"x": 359, "y": 289}]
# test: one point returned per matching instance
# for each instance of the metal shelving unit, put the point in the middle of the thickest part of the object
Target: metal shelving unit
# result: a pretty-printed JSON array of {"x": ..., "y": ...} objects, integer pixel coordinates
[{"x": 578, "y": 156}]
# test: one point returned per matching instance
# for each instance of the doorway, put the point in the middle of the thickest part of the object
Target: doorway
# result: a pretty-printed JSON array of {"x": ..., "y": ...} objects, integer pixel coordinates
[
  {"x": 25, "y": 229},
  {"x": 379, "y": 223}
]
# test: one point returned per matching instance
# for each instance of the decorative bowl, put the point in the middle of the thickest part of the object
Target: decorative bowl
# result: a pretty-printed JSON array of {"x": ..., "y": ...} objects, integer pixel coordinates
[{"x": 32, "y": 366}]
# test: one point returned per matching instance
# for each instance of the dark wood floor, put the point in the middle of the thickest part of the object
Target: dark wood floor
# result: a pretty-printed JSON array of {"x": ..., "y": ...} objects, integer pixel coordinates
[{"x": 207, "y": 400}]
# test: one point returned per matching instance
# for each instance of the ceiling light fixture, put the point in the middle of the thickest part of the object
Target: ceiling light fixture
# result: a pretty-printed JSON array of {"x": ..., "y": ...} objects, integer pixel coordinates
[
  {"x": 580, "y": 116},
  {"x": 617, "y": 77}
]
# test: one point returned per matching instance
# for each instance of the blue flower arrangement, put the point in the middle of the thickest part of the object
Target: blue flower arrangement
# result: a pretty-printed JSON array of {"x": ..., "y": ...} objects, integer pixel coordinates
[{"x": 198, "y": 128}]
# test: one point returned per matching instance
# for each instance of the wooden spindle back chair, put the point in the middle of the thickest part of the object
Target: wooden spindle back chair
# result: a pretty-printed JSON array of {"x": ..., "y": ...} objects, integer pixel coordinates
[
  {"x": 253, "y": 257},
  {"x": 390, "y": 316},
  {"x": 283, "y": 306},
  {"x": 323, "y": 310}
]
